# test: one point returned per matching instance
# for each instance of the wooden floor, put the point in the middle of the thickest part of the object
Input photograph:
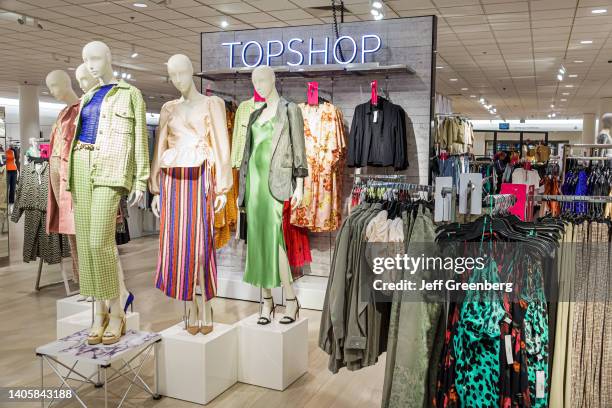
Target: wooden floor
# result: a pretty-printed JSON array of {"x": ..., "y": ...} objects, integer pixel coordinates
[{"x": 27, "y": 320}]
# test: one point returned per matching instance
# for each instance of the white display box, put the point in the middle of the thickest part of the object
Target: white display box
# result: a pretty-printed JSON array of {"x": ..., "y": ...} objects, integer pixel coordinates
[
  {"x": 71, "y": 305},
  {"x": 274, "y": 355},
  {"x": 310, "y": 291},
  {"x": 198, "y": 368},
  {"x": 80, "y": 321}
]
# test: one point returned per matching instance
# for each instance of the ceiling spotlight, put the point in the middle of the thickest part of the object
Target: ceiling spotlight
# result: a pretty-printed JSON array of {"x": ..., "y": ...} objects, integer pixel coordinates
[
  {"x": 21, "y": 19},
  {"x": 224, "y": 24},
  {"x": 552, "y": 106},
  {"x": 123, "y": 75},
  {"x": 562, "y": 70},
  {"x": 128, "y": 76},
  {"x": 134, "y": 52},
  {"x": 599, "y": 11},
  {"x": 140, "y": 5},
  {"x": 553, "y": 114},
  {"x": 374, "y": 12},
  {"x": 379, "y": 16},
  {"x": 481, "y": 100},
  {"x": 586, "y": 42},
  {"x": 377, "y": 4},
  {"x": 559, "y": 77},
  {"x": 115, "y": 73}
]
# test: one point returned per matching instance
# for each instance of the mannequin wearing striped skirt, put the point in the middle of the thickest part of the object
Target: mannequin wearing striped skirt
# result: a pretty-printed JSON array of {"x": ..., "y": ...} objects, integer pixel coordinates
[{"x": 192, "y": 140}]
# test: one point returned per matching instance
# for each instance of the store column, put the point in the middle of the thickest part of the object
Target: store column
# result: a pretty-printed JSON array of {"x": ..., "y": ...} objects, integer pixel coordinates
[
  {"x": 589, "y": 129},
  {"x": 29, "y": 118}
]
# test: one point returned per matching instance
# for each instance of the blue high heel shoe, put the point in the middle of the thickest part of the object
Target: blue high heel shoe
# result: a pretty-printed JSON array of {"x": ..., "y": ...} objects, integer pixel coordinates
[{"x": 129, "y": 303}]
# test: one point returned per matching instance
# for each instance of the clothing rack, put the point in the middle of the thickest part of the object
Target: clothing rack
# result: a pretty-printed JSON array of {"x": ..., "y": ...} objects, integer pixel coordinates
[
  {"x": 590, "y": 146},
  {"x": 569, "y": 198},
  {"x": 395, "y": 179}
]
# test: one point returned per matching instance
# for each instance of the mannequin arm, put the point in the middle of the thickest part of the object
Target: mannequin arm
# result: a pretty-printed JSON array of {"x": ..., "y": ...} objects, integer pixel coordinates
[
  {"x": 298, "y": 193},
  {"x": 155, "y": 205},
  {"x": 135, "y": 198}
]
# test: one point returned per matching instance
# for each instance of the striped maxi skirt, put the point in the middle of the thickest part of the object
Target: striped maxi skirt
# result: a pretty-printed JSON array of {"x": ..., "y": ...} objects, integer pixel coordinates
[{"x": 186, "y": 237}]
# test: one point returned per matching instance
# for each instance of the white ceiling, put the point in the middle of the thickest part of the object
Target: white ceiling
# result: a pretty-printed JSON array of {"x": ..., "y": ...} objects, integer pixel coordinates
[{"x": 507, "y": 51}]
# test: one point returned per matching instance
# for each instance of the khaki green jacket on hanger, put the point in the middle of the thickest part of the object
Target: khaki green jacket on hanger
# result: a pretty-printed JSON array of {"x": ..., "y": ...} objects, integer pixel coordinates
[{"x": 121, "y": 155}]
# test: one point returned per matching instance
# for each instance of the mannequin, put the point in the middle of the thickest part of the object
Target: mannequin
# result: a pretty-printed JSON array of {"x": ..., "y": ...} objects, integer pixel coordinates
[
  {"x": 109, "y": 158},
  {"x": 277, "y": 122},
  {"x": 605, "y": 136},
  {"x": 84, "y": 78},
  {"x": 33, "y": 151},
  {"x": 192, "y": 140},
  {"x": 60, "y": 215}
]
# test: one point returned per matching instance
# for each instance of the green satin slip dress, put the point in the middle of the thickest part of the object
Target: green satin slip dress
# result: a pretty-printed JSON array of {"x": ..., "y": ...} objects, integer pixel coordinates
[{"x": 264, "y": 213}]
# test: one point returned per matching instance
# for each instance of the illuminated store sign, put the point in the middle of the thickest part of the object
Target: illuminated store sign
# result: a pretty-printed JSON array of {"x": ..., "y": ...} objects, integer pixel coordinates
[{"x": 299, "y": 51}]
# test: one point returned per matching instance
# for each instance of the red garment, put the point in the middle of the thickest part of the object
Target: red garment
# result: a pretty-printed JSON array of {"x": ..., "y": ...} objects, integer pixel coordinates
[
  {"x": 10, "y": 160},
  {"x": 296, "y": 240}
]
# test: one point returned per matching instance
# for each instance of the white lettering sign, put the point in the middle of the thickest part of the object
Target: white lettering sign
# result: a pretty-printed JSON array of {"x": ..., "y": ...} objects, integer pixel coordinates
[{"x": 344, "y": 50}]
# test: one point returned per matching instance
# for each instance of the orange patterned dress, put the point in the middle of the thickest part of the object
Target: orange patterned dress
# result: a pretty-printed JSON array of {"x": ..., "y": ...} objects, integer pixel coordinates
[{"x": 324, "y": 136}]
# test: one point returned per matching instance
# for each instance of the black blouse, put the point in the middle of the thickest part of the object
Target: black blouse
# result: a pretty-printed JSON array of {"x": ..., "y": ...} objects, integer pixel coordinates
[{"x": 378, "y": 136}]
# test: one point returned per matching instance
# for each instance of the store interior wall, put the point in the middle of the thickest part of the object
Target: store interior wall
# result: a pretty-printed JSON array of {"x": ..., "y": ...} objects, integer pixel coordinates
[
  {"x": 409, "y": 42},
  {"x": 481, "y": 137}
]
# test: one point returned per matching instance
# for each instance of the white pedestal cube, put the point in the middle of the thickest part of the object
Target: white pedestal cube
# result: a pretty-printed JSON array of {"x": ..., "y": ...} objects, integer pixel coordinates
[
  {"x": 274, "y": 355},
  {"x": 80, "y": 321},
  {"x": 71, "y": 305},
  {"x": 197, "y": 368}
]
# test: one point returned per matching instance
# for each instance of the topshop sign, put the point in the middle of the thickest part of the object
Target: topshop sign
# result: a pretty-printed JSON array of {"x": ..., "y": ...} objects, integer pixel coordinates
[{"x": 303, "y": 51}]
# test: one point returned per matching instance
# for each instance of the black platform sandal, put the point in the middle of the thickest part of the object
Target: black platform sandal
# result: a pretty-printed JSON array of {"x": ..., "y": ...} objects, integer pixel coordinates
[
  {"x": 263, "y": 320},
  {"x": 287, "y": 319}
]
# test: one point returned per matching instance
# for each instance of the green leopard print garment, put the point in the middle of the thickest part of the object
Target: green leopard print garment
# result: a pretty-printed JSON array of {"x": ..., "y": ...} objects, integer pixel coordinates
[{"x": 477, "y": 343}]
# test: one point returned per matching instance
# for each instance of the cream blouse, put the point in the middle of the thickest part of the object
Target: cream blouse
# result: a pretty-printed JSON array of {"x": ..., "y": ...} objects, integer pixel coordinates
[{"x": 191, "y": 141}]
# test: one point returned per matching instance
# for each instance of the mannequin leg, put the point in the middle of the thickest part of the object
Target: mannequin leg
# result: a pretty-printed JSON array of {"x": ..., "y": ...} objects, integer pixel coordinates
[
  {"x": 123, "y": 291},
  {"x": 268, "y": 302},
  {"x": 100, "y": 312},
  {"x": 286, "y": 280},
  {"x": 116, "y": 324}
]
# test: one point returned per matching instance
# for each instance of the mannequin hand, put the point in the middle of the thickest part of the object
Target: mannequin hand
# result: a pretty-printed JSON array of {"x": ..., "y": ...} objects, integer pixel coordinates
[
  {"x": 135, "y": 198},
  {"x": 220, "y": 202},
  {"x": 155, "y": 205},
  {"x": 298, "y": 194}
]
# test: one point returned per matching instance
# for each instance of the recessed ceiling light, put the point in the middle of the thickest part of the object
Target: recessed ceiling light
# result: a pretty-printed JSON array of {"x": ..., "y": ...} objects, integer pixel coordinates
[
  {"x": 377, "y": 4},
  {"x": 453, "y": 79},
  {"x": 374, "y": 12},
  {"x": 599, "y": 11},
  {"x": 472, "y": 96},
  {"x": 559, "y": 77},
  {"x": 578, "y": 61},
  {"x": 464, "y": 89},
  {"x": 569, "y": 86},
  {"x": 563, "y": 100},
  {"x": 586, "y": 42},
  {"x": 573, "y": 76},
  {"x": 565, "y": 93},
  {"x": 224, "y": 23},
  {"x": 439, "y": 67},
  {"x": 140, "y": 5},
  {"x": 71, "y": 69}
]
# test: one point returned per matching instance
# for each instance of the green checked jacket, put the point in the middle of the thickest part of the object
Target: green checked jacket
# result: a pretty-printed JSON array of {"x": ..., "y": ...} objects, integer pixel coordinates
[{"x": 121, "y": 153}]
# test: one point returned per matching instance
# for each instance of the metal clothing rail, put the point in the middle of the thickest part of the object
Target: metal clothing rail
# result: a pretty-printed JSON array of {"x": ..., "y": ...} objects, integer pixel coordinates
[{"x": 569, "y": 198}]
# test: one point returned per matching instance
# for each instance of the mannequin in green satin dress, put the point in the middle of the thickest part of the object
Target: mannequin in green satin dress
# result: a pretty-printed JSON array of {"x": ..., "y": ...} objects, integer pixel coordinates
[{"x": 267, "y": 263}]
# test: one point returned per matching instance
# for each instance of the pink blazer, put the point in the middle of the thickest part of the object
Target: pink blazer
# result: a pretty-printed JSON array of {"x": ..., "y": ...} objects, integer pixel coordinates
[{"x": 60, "y": 216}]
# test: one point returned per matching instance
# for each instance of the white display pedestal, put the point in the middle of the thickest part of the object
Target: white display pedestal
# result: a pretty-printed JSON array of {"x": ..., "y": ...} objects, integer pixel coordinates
[
  {"x": 77, "y": 322},
  {"x": 71, "y": 305},
  {"x": 310, "y": 290},
  {"x": 198, "y": 368},
  {"x": 274, "y": 355}
]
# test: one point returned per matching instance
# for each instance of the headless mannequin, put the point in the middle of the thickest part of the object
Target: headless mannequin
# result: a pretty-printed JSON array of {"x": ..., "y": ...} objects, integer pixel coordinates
[
  {"x": 605, "y": 135},
  {"x": 180, "y": 71},
  {"x": 97, "y": 59},
  {"x": 264, "y": 82}
]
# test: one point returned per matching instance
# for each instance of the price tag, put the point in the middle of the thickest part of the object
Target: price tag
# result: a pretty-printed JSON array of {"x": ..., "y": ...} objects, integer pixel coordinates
[
  {"x": 540, "y": 384},
  {"x": 374, "y": 98},
  {"x": 313, "y": 93},
  {"x": 508, "y": 347}
]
